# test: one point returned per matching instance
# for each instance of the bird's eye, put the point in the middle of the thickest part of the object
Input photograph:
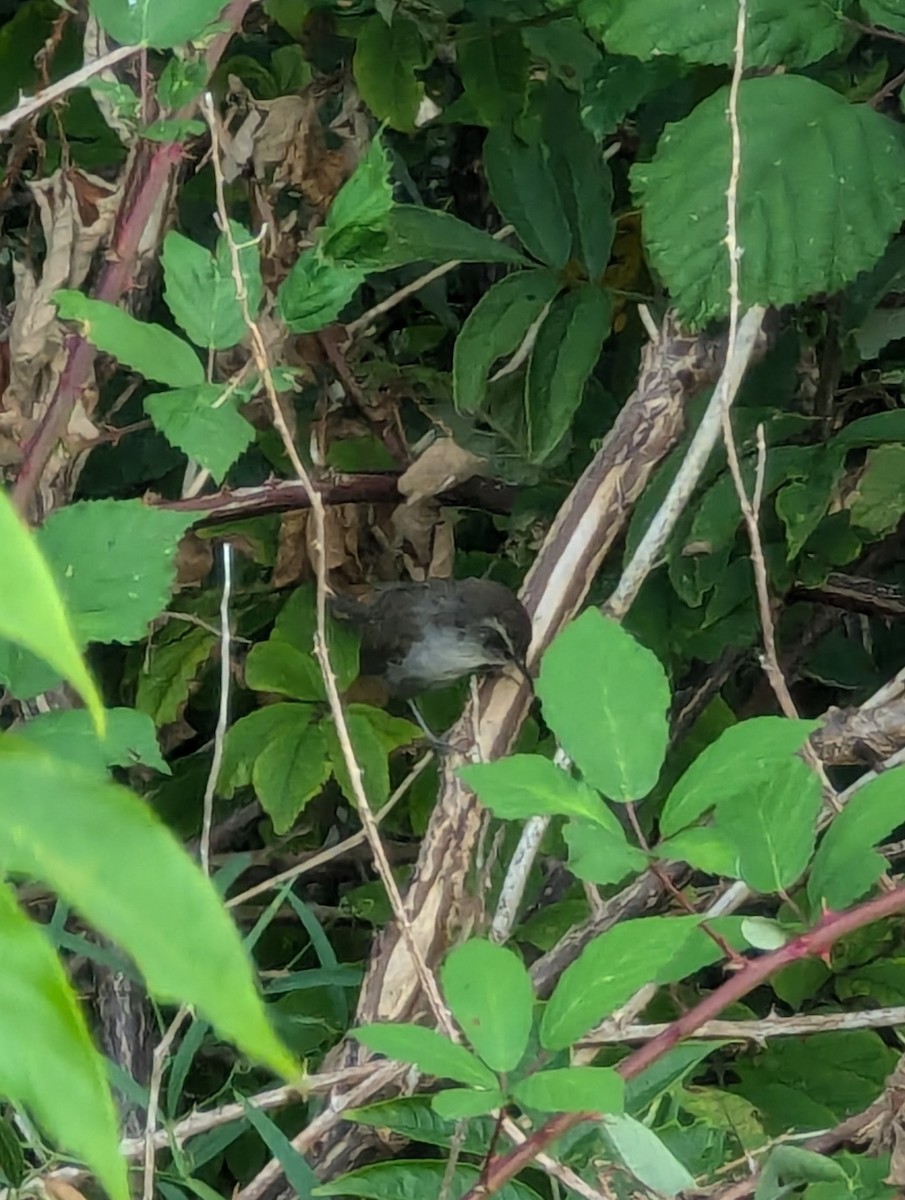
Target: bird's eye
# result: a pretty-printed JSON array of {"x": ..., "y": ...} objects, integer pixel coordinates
[{"x": 495, "y": 643}]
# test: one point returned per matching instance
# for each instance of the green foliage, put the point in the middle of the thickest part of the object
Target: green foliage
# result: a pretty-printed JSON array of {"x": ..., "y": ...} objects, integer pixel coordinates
[
  {"x": 98, "y": 547},
  {"x": 553, "y": 120},
  {"x": 776, "y": 33},
  {"x": 683, "y": 188},
  {"x": 200, "y": 288},
  {"x": 33, "y": 614},
  {"x": 489, "y": 993},
  {"x": 101, "y": 850},
  {"x": 387, "y": 57},
  {"x": 149, "y": 349},
  {"x": 157, "y": 23},
  {"x": 613, "y": 726},
  {"x": 287, "y": 752}
]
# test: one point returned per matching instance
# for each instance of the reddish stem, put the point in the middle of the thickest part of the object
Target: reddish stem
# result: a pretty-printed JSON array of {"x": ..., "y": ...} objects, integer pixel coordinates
[{"x": 147, "y": 181}]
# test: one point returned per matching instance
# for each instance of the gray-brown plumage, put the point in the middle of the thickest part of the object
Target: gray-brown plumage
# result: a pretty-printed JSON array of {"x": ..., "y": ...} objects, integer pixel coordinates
[{"x": 417, "y": 636}]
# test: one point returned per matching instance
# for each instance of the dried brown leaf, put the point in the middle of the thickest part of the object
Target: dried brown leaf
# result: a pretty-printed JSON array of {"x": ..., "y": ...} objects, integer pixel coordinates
[{"x": 442, "y": 465}]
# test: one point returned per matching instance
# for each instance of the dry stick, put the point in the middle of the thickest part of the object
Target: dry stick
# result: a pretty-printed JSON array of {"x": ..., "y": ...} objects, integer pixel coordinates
[
  {"x": 259, "y": 352},
  {"x": 516, "y": 878},
  {"x": 651, "y": 545},
  {"x": 56, "y": 91},
  {"x": 222, "y": 713},
  {"x": 161, "y": 1055},
  {"x": 410, "y": 289},
  {"x": 749, "y": 511},
  {"x": 757, "y": 1031}
]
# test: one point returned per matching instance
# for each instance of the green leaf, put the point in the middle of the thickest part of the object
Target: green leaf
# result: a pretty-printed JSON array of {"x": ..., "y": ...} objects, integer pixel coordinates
[
  {"x": 33, "y": 613},
  {"x": 386, "y": 59},
  {"x": 70, "y": 735},
  {"x": 787, "y": 1166},
  {"x": 776, "y": 34},
  {"x": 13, "y": 1166},
  {"x": 362, "y": 205},
  {"x": 524, "y": 190},
  {"x": 106, "y": 854},
  {"x": 115, "y": 563},
  {"x": 493, "y": 66},
  {"x": 296, "y": 625},
  {"x": 773, "y": 826},
  {"x": 618, "y": 85},
  {"x": 417, "y": 1180},
  {"x": 460, "y": 1104},
  {"x": 414, "y": 1118},
  {"x": 286, "y": 663},
  {"x": 47, "y": 1060},
  {"x": 430, "y": 1052},
  {"x": 203, "y": 423},
  {"x": 157, "y": 23},
  {"x": 885, "y": 12},
  {"x": 368, "y": 743},
  {"x": 875, "y": 430},
  {"x": 168, "y": 672},
  {"x": 565, "y": 47},
  {"x": 489, "y": 992},
  {"x": 181, "y": 80},
  {"x": 315, "y": 291},
  {"x": 277, "y": 666},
  {"x": 741, "y": 758},
  {"x": 703, "y": 847},
  {"x": 670, "y": 1068},
  {"x": 644, "y": 1154},
  {"x": 251, "y": 735},
  {"x": 877, "y": 504},
  {"x": 564, "y": 355},
  {"x": 802, "y": 504},
  {"x": 605, "y": 697},
  {"x": 846, "y": 866},
  {"x": 299, "y": 1175},
  {"x": 800, "y": 141},
  {"x": 526, "y": 785},
  {"x": 496, "y": 327},
  {"x": 610, "y": 969},
  {"x": 599, "y": 851},
  {"x": 416, "y": 234},
  {"x": 200, "y": 290},
  {"x": 290, "y": 770},
  {"x": 173, "y": 130},
  {"x": 583, "y": 179},
  {"x": 149, "y": 349},
  {"x": 573, "y": 1089}
]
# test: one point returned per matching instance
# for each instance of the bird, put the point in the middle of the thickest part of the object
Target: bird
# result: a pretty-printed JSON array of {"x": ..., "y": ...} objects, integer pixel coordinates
[{"x": 416, "y": 637}]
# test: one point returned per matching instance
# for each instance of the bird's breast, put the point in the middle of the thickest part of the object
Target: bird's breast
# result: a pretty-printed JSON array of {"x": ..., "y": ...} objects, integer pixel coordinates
[{"x": 436, "y": 660}]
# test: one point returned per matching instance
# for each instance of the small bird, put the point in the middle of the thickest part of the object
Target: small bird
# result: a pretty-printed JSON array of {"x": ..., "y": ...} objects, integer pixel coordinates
[{"x": 418, "y": 636}]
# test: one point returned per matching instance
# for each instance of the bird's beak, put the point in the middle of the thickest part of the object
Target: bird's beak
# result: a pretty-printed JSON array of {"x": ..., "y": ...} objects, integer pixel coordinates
[{"x": 522, "y": 667}]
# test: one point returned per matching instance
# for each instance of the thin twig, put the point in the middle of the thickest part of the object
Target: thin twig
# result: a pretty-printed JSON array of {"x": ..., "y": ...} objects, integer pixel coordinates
[
  {"x": 161, "y": 1055},
  {"x": 222, "y": 712},
  {"x": 262, "y": 362},
  {"x": 651, "y": 545},
  {"x": 332, "y": 852},
  {"x": 56, "y": 91},
  {"x": 756, "y": 1031}
]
